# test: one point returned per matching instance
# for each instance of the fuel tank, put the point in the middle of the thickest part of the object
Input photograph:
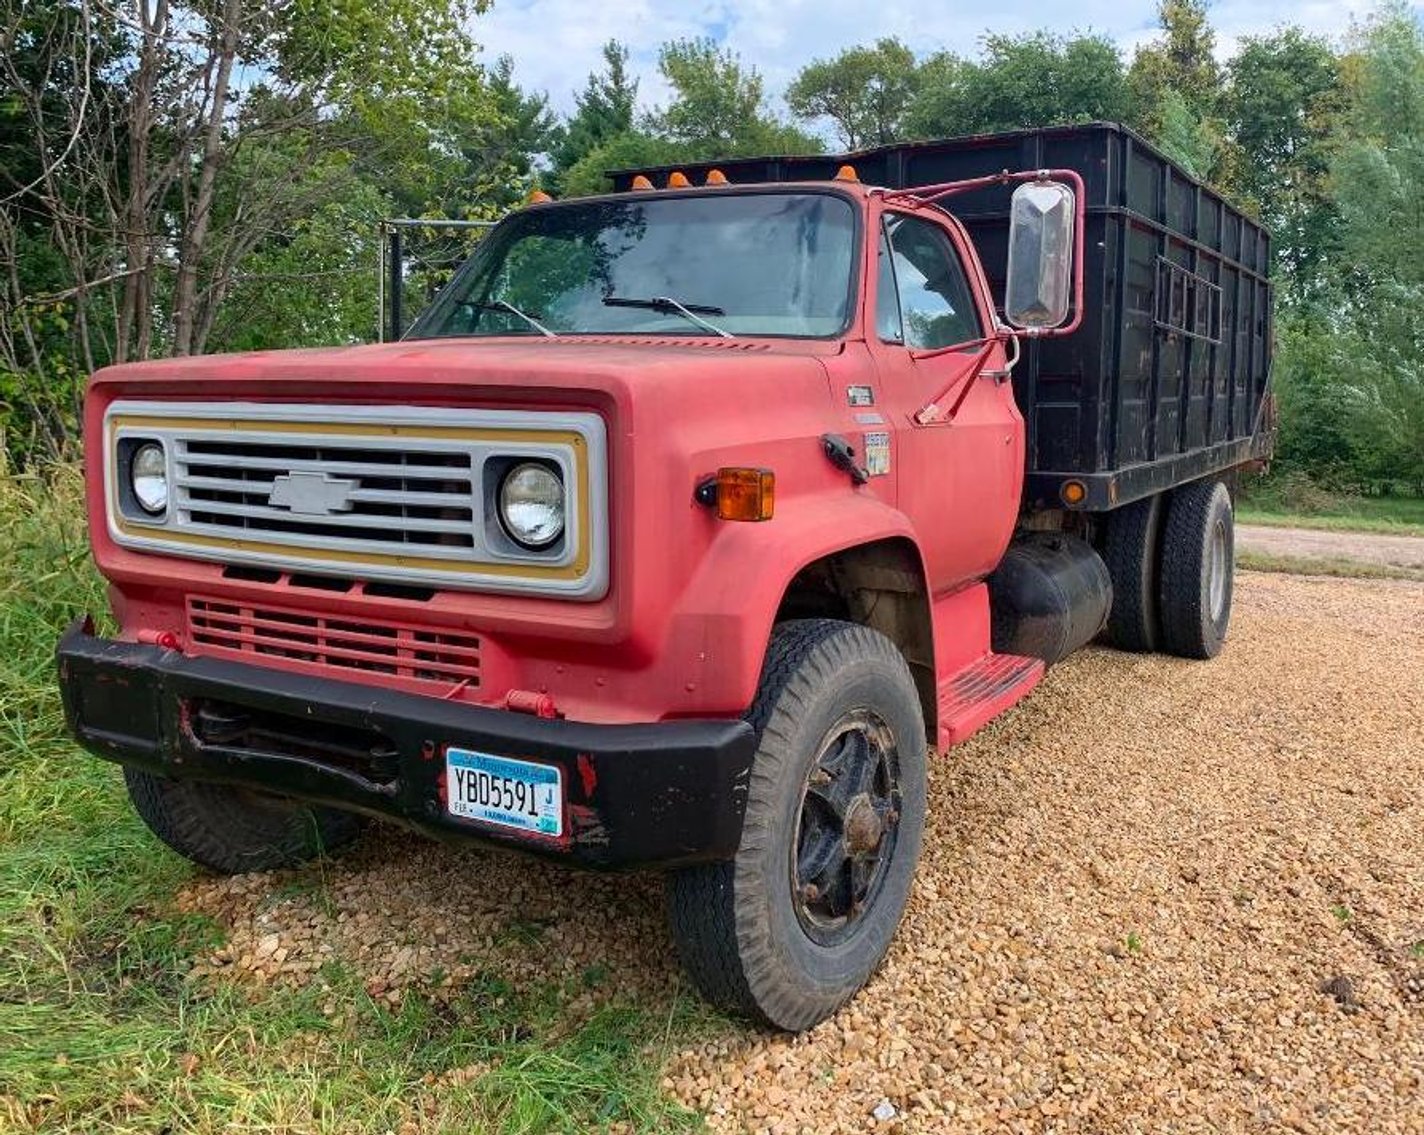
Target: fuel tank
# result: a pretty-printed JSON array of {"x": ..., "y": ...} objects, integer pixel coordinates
[{"x": 1049, "y": 595}]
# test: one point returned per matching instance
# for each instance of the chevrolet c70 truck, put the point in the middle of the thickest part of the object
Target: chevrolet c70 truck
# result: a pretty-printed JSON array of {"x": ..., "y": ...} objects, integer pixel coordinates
[{"x": 680, "y": 523}]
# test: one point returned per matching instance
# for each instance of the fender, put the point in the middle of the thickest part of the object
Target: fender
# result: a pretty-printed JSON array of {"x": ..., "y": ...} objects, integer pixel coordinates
[{"x": 723, "y": 622}]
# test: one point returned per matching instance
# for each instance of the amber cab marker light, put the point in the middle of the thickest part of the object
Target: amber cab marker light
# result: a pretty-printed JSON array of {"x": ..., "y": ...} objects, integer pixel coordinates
[
  {"x": 1073, "y": 492},
  {"x": 715, "y": 177},
  {"x": 745, "y": 494},
  {"x": 537, "y": 197},
  {"x": 641, "y": 182},
  {"x": 847, "y": 173},
  {"x": 678, "y": 180}
]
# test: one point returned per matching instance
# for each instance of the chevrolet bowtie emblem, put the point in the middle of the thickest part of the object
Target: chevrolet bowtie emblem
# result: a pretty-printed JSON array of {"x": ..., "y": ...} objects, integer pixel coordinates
[{"x": 312, "y": 494}]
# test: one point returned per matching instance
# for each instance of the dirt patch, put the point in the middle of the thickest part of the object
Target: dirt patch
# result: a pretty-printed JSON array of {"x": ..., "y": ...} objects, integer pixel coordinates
[{"x": 1160, "y": 895}]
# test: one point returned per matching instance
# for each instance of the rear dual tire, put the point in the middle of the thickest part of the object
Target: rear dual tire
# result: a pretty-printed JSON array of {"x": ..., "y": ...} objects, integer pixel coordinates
[{"x": 1170, "y": 558}]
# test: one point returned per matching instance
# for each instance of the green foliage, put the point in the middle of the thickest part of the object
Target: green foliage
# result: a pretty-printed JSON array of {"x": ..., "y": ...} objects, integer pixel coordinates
[
  {"x": 1183, "y": 60},
  {"x": 719, "y": 106},
  {"x": 104, "y": 1028},
  {"x": 603, "y": 112},
  {"x": 864, "y": 91},
  {"x": 632, "y": 150},
  {"x": 1282, "y": 100},
  {"x": 1030, "y": 80}
]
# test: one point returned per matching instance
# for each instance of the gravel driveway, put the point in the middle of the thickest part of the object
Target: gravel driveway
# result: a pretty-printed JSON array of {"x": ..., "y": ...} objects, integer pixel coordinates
[{"x": 1158, "y": 896}]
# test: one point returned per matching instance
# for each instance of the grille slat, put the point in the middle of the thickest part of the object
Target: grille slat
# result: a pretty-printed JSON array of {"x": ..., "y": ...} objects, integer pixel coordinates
[
  {"x": 382, "y": 493},
  {"x": 444, "y": 658},
  {"x": 325, "y": 465},
  {"x": 263, "y": 515}
]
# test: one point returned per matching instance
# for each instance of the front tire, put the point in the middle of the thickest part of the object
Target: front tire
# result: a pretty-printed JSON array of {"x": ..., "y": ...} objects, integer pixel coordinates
[
  {"x": 232, "y": 830},
  {"x": 789, "y": 930},
  {"x": 1198, "y": 569}
]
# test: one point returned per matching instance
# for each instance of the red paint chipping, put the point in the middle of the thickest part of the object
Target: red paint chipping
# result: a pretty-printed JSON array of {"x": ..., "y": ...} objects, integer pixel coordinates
[{"x": 588, "y": 774}]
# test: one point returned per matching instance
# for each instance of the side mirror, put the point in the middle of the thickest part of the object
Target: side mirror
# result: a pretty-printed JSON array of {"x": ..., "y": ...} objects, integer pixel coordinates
[{"x": 1039, "y": 285}]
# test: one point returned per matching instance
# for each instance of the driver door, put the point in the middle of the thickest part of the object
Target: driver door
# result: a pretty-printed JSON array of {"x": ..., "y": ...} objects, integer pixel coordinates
[{"x": 959, "y": 434}]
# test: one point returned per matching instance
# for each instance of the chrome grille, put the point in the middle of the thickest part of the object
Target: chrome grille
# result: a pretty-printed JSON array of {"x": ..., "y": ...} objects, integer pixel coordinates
[
  {"x": 400, "y": 494},
  {"x": 415, "y": 497}
]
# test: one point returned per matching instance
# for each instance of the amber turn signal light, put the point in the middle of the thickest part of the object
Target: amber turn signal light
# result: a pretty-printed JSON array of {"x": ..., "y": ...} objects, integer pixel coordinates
[
  {"x": 1073, "y": 492},
  {"x": 745, "y": 494}
]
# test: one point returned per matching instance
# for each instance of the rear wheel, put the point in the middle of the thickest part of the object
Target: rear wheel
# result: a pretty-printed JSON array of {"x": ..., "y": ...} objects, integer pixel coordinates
[
  {"x": 789, "y": 930},
  {"x": 1197, "y": 575},
  {"x": 1130, "y": 552},
  {"x": 232, "y": 830}
]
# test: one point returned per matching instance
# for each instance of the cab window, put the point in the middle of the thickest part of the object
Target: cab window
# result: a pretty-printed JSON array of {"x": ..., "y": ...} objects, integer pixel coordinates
[{"x": 936, "y": 306}]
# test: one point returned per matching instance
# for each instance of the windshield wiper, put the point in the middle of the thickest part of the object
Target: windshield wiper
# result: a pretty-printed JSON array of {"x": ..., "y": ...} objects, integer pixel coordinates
[
  {"x": 505, "y": 305},
  {"x": 667, "y": 303}
]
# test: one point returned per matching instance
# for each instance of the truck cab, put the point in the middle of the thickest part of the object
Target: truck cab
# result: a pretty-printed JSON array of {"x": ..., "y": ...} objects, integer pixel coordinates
[{"x": 669, "y": 536}]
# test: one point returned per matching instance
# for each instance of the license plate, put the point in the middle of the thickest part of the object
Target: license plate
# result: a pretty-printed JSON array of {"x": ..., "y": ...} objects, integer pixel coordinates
[{"x": 504, "y": 791}]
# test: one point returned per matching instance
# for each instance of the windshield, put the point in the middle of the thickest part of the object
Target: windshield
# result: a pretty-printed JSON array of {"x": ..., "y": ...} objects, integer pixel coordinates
[{"x": 737, "y": 264}]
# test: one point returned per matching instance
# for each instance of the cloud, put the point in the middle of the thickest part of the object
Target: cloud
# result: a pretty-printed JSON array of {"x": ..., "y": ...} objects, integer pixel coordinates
[{"x": 556, "y": 43}]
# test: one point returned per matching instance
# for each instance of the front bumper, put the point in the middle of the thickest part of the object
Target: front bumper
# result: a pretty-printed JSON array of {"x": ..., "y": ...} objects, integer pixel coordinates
[{"x": 660, "y": 794}]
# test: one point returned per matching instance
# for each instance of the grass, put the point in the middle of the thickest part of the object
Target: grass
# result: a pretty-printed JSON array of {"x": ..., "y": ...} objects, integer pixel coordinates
[
  {"x": 1293, "y": 502},
  {"x": 1322, "y": 565},
  {"x": 102, "y": 1029}
]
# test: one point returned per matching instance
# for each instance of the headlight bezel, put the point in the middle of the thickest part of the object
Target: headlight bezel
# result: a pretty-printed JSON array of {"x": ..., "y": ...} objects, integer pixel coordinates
[
  {"x": 522, "y": 543},
  {"x": 135, "y": 505}
]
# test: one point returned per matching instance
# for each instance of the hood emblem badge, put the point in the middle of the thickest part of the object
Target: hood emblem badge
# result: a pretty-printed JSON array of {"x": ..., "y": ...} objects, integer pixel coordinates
[{"x": 312, "y": 494}]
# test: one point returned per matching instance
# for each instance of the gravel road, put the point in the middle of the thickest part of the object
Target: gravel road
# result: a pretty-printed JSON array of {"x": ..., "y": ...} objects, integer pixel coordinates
[
  {"x": 1308, "y": 543},
  {"x": 1158, "y": 896}
]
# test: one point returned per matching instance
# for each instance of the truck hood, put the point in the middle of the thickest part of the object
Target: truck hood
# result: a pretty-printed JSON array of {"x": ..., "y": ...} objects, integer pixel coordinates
[{"x": 441, "y": 370}]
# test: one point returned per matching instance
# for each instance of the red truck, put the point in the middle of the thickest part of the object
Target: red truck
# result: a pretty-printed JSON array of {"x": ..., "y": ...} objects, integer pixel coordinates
[{"x": 680, "y": 524}]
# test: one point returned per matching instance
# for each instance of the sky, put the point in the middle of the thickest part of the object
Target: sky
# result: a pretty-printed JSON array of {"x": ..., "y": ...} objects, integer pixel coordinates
[{"x": 555, "y": 43}]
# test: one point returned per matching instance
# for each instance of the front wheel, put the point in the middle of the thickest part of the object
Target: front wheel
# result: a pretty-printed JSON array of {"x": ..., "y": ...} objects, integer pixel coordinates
[
  {"x": 790, "y": 929},
  {"x": 232, "y": 830}
]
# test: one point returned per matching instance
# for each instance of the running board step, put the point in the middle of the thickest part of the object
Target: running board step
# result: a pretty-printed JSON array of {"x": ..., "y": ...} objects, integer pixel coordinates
[{"x": 981, "y": 691}]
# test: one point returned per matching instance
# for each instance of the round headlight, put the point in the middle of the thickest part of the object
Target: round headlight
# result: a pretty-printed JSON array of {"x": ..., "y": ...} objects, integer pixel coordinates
[
  {"x": 531, "y": 505},
  {"x": 149, "y": 476}
]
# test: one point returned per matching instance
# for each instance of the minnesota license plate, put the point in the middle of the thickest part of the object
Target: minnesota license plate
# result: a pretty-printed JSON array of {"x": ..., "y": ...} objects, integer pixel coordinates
[{"x": 504, "y": 791}]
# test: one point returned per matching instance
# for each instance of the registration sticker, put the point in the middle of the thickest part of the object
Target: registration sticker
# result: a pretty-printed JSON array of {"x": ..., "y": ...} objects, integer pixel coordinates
[{"x": 505, "y": 792}]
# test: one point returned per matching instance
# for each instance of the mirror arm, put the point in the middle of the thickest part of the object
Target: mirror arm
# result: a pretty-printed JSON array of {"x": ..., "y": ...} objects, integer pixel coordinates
[{"x": 929, "y": 194}]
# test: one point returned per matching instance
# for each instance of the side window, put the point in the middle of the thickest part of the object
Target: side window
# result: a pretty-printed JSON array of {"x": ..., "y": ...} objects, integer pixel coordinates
[{"x": 936, "y": 303}]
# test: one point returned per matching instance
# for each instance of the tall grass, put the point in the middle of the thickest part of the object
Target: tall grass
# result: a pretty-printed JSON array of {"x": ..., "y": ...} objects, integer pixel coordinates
[{"x": 101, "y": 1029}]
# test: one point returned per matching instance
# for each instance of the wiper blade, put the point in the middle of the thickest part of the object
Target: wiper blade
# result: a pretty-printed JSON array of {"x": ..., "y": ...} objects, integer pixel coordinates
[
  {"x": 667, "y": 303},
  {"x": 505, "y": 305}
]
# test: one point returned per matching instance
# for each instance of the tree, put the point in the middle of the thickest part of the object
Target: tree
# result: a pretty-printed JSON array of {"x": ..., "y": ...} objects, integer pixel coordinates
[
  {"x": 1021, "y": 81},
  {"x": 1182, "y": 60},
  {"x": 1282, "y": 100},
  {"x": 864, "y": 91},
  {"x": 603, "y": 111},
  {"x": 1375, "y": 178},
  {"x": 719, "y": 106},
  {"x": 157, "y": 152},
  {"x": 1174, "y": 89}
]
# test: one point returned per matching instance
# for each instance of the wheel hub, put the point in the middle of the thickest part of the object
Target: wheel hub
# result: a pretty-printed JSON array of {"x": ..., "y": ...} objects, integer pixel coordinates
[
  {"x": 863, "y": 828},
  {"x": 846, "y": 827}
]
